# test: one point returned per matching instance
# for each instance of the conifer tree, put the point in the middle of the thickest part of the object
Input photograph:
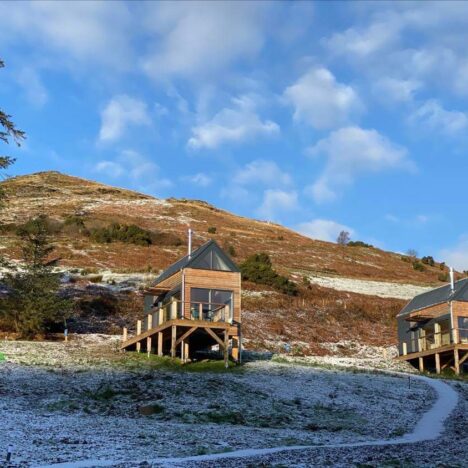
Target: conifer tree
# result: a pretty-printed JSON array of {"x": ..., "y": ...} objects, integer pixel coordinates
[{"x": 32, "y": 303}]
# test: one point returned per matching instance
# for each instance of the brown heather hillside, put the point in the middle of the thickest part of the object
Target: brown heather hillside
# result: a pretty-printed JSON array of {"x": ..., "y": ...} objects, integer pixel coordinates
[{"x": 310, "y": 319}]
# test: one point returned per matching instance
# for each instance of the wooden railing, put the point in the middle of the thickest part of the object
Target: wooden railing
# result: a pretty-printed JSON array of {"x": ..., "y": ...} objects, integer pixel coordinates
[
  {"x": 428, "y": 341},
  {"x": 206, "y": 311}
]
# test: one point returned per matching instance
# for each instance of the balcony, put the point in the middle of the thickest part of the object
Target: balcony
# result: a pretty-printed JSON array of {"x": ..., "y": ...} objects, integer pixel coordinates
[
  {"x": 200, "y": 311},
  {"x": 438, "y": 339}
]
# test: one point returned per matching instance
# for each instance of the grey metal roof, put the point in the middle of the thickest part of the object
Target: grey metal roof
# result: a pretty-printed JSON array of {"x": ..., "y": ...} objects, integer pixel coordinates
[
  {"x": 437, "y": 296},
  {"x": 187, "y": 261}
]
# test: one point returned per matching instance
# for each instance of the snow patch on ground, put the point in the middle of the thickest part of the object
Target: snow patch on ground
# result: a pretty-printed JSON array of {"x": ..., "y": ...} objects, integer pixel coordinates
[
  {"x": 64, "y": 403},
  {"x": 371, "y": 288}
]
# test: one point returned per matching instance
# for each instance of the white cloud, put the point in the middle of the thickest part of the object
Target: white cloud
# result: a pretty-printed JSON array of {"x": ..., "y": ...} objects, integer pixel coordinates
[
  {"x": 435, "y": 118},
  {"x": 33, "y": 87},
  {"x": 396, "y": 90},
  {"x": 232, "y": 125},
  {"x": 349, "y": 152},
  {"x": 262, "y": 172},
  {"x": 120, "y": 112},
  {"x": 141, "y": 172},
  {"x": 202, "y": 38},
  {"x": 83, "y": 32},
  {"x": 362, "y": 42},
  {"x": 323, "y": 229},
  {"x": 276, "y": 202},
  {"x": 200, "y": 179},
  {"x": 321, "y": 101},
  {"x": 110, "y": 168},
  {"x": 457, "y": 256}
]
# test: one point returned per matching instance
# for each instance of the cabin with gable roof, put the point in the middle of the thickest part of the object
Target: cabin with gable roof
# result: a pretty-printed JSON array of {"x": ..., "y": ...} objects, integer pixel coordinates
[
  {"x": 193, "y": 305},
  {"x": 433, "y": 329}
]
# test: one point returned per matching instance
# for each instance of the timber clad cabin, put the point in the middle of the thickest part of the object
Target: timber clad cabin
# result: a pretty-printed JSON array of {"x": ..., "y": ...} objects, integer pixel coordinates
[
  {"x": 192, "y": 306},
  {"x": 433, "y": 329}
]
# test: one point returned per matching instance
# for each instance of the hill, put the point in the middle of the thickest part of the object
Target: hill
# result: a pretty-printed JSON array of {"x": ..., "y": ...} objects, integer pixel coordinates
[{"x": 344, "y": 279}]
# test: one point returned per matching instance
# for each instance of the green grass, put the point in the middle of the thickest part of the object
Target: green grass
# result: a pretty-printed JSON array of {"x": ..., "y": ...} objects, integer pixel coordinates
[
  {"x": 135, "y": 361},
  {"x": 2, "y": 357}
]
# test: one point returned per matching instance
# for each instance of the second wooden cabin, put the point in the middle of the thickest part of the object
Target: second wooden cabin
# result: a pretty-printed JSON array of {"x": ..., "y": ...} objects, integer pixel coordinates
[{"x": 193, "y": 305}]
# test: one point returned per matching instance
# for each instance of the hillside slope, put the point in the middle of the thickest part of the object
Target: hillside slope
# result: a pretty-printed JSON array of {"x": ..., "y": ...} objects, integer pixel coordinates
[
  {"x": 59, "y": 196},
  {"x": 340, "y": 304}
]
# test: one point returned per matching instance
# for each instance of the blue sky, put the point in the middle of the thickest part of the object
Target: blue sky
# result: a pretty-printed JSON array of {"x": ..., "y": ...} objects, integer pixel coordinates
[{"x": 320, "y": 116}]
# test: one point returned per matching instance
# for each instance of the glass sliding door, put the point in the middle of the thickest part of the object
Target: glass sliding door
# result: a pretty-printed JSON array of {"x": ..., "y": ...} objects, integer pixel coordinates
[{"x": 207, "y": 304}]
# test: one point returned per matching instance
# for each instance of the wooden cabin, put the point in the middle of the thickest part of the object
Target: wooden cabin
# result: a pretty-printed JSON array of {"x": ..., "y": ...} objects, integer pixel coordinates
[
  {"x": 433, "y": 329},
  {"x": 192, "y": 306}
]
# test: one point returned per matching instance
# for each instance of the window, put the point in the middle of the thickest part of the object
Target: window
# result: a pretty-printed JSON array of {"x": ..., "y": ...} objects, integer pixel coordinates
[
  {"x": 207, "y": 302},
  {"x": 211, "y": 260}
]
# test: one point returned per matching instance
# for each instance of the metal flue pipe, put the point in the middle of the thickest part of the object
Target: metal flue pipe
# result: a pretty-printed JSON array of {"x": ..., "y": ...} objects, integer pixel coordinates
[
  {"x": 452, "y": 280},
  {"x": 189, "y": 242}
]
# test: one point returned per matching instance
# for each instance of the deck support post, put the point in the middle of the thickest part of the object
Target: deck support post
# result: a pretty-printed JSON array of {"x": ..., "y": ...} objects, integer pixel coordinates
[
  {"x": 437, "y": 335},
  {"x": 182, "y": 351},
  {"x": 149, "y": 341},
  {"x": 421, "y": 364},
  {"x": 124, "y": 334},
  {"x": 405, "y": 348},
  {"x": 173, "y": 340},
  {"x": 437, "y": 362},
  {"x": 456, "y": 361},
  {"x": 226, "y": 349},
  {"x": 186, "y": 351},
  {"x": 138, "y": 332},
  {"x": 160, "y": 344}
]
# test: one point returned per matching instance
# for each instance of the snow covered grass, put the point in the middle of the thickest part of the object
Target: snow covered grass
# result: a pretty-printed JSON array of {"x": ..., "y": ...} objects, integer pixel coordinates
[
  {"x": 65, "y": 402},
  {"x": 371, "y": 288}
]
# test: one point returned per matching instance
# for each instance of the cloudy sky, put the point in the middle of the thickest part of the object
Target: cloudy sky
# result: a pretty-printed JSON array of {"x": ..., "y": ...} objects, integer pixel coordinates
[{"x": 320, "y": 116}]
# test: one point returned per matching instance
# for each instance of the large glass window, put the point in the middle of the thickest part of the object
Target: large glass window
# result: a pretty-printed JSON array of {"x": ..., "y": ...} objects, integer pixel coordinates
[
  {"x": 207, "y": 304},
  {"x": 211, "y": 260}
]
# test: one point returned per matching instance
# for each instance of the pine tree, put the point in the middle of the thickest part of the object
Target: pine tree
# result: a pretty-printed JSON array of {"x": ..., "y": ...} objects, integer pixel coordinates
[{"x": 32, "y": 303}]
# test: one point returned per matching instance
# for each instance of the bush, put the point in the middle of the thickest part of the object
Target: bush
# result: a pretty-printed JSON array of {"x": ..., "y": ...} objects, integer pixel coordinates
[
  {"x": 405, "y": 259},
  {"x": 258, "y": 269},
  {"x": 130, "y": 234},
  {"x": 359, "y": 244},
  {"x": 442, "y": 265},
  {"x": 231, "y": 251},
  {"x": 443, "y": 277},
  {"x": 75, "y": 224},
  {"x": 428, "y": 261},
  {"x": 418, "y": 266},
  {"x": 212, "y": 230}
]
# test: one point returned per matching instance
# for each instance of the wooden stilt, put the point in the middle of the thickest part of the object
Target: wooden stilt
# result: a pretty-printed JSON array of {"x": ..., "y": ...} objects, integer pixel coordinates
[
  {"x": 149, "y": 339},
  {"x": 457, "y": 361},
  {"x": 138, "y": 332},
  {"x": 182, "y": 351},
  {"x": 160, "y": 344},
  {"x": 226, "y": 349},
  {"x": 421, "y": 364},
  {"x": 173, "y": 340},
  {"x": 186, "y": 352},
  {"x": 437, "y": 362},
  {"x": 235, "y": 348},
  {"x": 149, "y": 345}
]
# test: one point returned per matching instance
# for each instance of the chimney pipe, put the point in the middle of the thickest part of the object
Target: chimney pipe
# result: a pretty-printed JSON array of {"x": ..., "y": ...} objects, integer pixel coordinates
[
  {"x": 452, "y": 281},
  {"x": 189, "y": 242}
]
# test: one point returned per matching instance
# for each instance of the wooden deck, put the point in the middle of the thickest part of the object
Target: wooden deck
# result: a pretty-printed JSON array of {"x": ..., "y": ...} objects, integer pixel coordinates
[
  {"x": 449, "y": 356},
  {"x": 182, "y": 338}
]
